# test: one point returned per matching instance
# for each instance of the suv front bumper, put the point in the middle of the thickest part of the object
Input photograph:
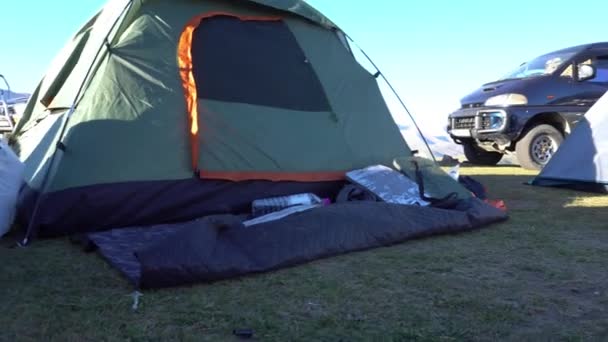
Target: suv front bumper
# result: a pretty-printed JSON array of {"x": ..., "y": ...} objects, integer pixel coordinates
[{"x": 481, "y": 124}]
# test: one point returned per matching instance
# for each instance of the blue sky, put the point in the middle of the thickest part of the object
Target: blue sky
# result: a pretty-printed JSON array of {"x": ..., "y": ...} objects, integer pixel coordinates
[{"x": 434, "y": 52}]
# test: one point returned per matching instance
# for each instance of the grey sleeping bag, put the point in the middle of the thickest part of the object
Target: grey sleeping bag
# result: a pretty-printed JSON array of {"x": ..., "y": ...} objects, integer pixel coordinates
[{"x": 220, "y": 247}]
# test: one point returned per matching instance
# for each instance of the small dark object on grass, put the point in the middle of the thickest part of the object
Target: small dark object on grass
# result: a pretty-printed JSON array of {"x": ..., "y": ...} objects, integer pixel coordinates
[
  {"x": 243, "y": 333},
  {"x": 448, "y": 160}
]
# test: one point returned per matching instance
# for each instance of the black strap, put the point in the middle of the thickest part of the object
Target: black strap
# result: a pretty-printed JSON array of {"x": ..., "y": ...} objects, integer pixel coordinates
[
  {"x": 61, "y": 146},
  {"x": 108, "y": 47},
  {"x": 353, "y": 192},
  {"x": 449, "y": 201}
]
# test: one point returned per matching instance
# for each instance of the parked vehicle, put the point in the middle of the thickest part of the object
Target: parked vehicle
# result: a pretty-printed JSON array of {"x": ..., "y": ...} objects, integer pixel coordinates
[
  {"x": 10, "y": 112},
  {"x": 531, "y": 110},
  {"x": 11, "y": 108}
]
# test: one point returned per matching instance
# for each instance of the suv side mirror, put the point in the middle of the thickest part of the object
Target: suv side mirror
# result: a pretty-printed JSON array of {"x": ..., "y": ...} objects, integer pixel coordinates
[{"x": 585, "y": 72}]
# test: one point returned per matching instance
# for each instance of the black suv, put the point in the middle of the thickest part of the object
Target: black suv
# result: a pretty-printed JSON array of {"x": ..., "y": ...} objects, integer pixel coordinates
[{"x": 532, "y": 109}]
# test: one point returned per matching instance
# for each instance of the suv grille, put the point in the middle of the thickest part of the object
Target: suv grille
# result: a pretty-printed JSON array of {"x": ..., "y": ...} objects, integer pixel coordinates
[{"x": 467, "y": 122}]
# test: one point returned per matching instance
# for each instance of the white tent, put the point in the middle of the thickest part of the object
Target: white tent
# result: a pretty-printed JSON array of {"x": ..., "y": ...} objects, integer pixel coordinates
[{"x": 582, "y": 161}]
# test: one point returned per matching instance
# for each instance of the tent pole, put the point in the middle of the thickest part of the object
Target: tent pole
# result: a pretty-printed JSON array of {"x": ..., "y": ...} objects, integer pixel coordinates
[
  {"x": 396, "y": 94},
  {"x": 30, "y": 229}
]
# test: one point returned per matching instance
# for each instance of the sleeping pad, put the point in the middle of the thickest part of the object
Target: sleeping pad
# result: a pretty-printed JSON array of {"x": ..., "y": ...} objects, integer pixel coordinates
[{"x": 220, "y": 247}]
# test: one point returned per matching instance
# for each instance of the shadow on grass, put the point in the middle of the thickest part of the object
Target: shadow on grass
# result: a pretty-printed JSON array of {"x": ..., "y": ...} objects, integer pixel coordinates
[
  {"x": 469, "y": 165},
  {"x": 514, "y": 188}
]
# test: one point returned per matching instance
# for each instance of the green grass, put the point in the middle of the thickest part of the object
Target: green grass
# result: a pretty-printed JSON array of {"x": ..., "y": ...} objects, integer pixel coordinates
[{"x": 540, "y": 276}]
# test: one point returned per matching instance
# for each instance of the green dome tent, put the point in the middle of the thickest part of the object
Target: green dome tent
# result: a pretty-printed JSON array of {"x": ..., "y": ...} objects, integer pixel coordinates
[
  {"x": 161, "y": 121},
  {"x": 163, "y": 111}
]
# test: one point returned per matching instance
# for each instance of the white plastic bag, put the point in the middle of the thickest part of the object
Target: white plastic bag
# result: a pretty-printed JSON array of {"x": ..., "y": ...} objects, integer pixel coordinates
[
  {"x": 277, "y": 215},
  {"x": 389, "y": 185},
  {"x": 11, "y": 177}
]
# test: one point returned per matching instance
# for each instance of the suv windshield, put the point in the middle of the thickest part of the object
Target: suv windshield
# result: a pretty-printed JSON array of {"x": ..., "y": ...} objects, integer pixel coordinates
[{"x": 540, "y": 66}]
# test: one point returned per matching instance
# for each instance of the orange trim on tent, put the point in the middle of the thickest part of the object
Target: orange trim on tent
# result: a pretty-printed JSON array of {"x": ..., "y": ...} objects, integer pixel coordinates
[
  {"x": 190, "y": 93},
  {"x": 184, "y": 53},
  {"x": 274, "y": 176}
]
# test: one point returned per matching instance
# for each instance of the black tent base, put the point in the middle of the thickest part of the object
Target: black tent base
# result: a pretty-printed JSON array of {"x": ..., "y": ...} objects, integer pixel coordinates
[
  {"x": 592, "y": 187},
  {"x": 221, "y": 247}
]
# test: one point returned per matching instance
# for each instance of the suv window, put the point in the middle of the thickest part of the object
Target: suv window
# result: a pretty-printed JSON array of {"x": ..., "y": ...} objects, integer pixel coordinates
[
  {"x": 601, "y": 65},
  {"x": 568, "y": 72}
]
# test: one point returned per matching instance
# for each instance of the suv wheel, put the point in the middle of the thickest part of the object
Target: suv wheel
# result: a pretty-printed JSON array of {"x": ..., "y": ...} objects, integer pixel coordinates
[
  {"x": 478, "y": 156},
  {"x": 537, "y": 146}
]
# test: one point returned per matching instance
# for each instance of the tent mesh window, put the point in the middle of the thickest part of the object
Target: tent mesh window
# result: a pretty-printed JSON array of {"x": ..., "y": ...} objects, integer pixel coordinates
[{"x": 254, "y": 62}]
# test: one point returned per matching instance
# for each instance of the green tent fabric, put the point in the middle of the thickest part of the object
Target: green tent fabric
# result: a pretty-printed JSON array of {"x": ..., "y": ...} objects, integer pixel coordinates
[{"x": 121, "y": 132}]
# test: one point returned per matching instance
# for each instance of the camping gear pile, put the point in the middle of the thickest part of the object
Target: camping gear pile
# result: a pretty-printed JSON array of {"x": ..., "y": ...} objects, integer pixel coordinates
[
  {"x": 161, "y": 122},
  {"x": 223, "y": 246}
]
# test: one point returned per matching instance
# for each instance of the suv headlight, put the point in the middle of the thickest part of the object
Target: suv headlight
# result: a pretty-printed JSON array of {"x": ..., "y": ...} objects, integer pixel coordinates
[
  {"x": 493, "y": 120},
  {"x": 505, "y": 100}
]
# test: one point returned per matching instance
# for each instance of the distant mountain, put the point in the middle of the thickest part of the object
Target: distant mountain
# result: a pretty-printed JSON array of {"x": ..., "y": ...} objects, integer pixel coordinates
[
  {"x": 439, "y": 142},
  {"x": 12, "y": 96}
]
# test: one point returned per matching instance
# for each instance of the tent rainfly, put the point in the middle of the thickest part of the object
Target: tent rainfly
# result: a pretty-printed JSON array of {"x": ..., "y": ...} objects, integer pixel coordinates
[{"x": 162, "y": 111}]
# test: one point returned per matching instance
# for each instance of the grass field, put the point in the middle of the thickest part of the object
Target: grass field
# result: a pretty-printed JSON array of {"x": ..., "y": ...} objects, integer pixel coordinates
[{"x": 540, "y": 276}]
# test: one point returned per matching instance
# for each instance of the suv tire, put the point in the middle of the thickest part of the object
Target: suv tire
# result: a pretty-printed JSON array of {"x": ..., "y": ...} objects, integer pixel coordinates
[
  {"x": 476, "y": 155},
  {"x": 537, "y": 146}
]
